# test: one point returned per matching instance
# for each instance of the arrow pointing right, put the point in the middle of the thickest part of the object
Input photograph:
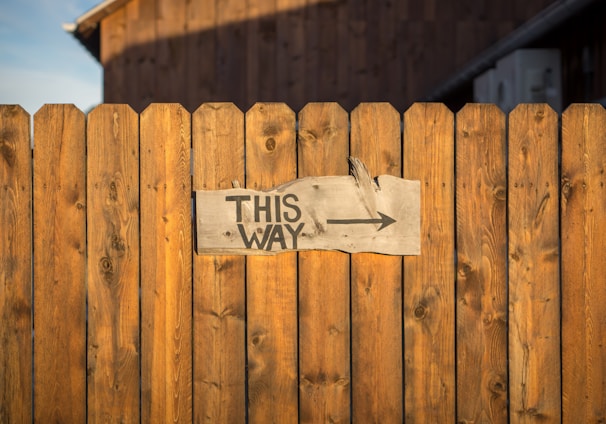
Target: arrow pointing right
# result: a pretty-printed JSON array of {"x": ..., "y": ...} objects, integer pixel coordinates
[{"x": 384, "y": 221}]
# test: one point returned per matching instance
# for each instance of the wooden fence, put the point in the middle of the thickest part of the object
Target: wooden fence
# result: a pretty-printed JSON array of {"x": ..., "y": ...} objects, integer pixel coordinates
[{"x": 114, "y": 318}]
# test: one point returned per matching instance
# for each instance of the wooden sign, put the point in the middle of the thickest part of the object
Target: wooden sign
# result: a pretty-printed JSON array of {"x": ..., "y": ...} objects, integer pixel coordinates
[{"x": 352, "y": 213}]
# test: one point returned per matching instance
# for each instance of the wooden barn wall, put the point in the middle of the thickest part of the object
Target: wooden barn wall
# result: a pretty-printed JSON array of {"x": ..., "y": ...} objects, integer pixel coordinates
[
  {"x": 583, "y": 45},
  {"x": 295, "y": 51}
]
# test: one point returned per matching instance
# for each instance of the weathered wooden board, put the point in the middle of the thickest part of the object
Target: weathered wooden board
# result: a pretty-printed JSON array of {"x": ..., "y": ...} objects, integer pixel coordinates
[
  {"x": 15, "y": 266},
  {"x": 376, "y": 284},
  {"x": 429, "y": 302},
  {"x": 324, "y": 298},
  {"x": 166, "y": 267},
  {"x": 60, "y": 265},
  {"x": 348, "y": 213},
  {"x": 113, "y": 276},
  {"x": 583, "y": 215},
  {"x": 271, "y": 281},
  {"x": 534, "y": 278},
  {"x": 219, "y": 291},
  {"x": 482, "y": 265}
]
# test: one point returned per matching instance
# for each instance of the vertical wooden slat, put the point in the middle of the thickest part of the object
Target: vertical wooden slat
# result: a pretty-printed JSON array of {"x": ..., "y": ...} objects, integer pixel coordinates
[
  {"x": 357, "y": 52},
  {"x": 166, "y": 265},
  {"x": 200, "y": 68},
  {"x": 583, "y": 266},
  {"x": 263, "y": 20},
  {"x": 232, "y": 45},
  {"x": 113, "y": 264},
  {"x": 324, "y": 330},
  {"x": 328, "y": 55},
  {"x": 60, "y": 264},
  {"x": 15, "y": 265},
  {"x": 140, "y": 63},
  {"x": 312, "y": 51},
  {"x": 376, "y": 283},
  {"x": 291, "y": 52},
  {"x": 219, "y": 293},
  {"x": 534, "y": 295},
  {"x": 482, "y": 259},
  {"x": 113, "y": 42},
  {"x": 271, "y": 281},
  {"x": 170, "y": 51},
  {"x": 429, "y": 325}
]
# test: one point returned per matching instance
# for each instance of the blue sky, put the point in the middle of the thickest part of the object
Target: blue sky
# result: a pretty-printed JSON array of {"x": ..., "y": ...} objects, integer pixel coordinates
[{"x": 40, "y": 62}]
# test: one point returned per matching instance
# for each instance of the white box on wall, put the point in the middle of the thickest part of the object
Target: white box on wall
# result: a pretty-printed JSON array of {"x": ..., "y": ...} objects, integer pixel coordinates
[{"x": 523, "y": 76}]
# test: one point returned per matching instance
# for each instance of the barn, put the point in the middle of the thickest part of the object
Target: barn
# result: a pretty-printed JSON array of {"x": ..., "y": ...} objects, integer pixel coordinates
[{"x": 299, "y": 51}]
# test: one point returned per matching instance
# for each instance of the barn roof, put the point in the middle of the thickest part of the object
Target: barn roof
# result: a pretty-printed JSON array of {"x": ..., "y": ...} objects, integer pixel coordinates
[{"x": 86, "y": 28}]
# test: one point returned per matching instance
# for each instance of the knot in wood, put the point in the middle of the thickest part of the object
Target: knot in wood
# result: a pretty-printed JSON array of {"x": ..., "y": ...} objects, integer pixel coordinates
[
  {"x": 420, "y": 311},
  {"x": 270, "y": 144}
]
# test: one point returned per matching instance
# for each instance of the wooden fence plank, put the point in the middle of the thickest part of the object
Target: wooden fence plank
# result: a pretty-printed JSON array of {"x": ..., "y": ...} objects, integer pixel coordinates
[
  {"x": 271, "y": 281},
  {"x": 219, "y": 293},
  {"x": 534, "y": 295},
  {"x": 15, "y": 265},
  {"x": 113, "y": 264},
  {"x": 583, "y": 267},
  {"x": 166, "y": 264},
  {"x": 376, "y": 283},
  {"x": 60, "y": 264},
  {"x": 482, "y": 265},
  {"x": 429, "y": 356},
  {"x": 324, "y": 330}
]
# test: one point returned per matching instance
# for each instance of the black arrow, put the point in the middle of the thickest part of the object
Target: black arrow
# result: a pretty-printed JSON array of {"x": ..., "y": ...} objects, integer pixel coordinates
[{"x": 384, "y": 221}]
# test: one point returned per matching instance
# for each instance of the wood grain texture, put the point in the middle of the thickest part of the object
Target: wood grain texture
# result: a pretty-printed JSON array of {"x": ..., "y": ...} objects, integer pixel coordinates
[
  {"x": 200, "y": 72},
  {"x": 481, "y": 212},
  {"x": 114, "y": 41},
  {"x": 232, "y": 45},
  {"x": 376, "y": 283},
  {"x": 166, "y": 264},
  {"x": 324, "y": 327},
  {"x": 15, "y": 265},
  {"x": 139, "y": 67},
  {"x": 113, "y": 264},
  {"x": 171, "y": 56},
  {"x": 429, "y": 320},
  {"x": 219, "y": 291},
  {"x": 290, "y": 80},
  {"x": 271, "y": 281},
  {"x": 60, "y": 264},
  {"x": 583, "y": 267},
  {"x": 534, "y": 293}
]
